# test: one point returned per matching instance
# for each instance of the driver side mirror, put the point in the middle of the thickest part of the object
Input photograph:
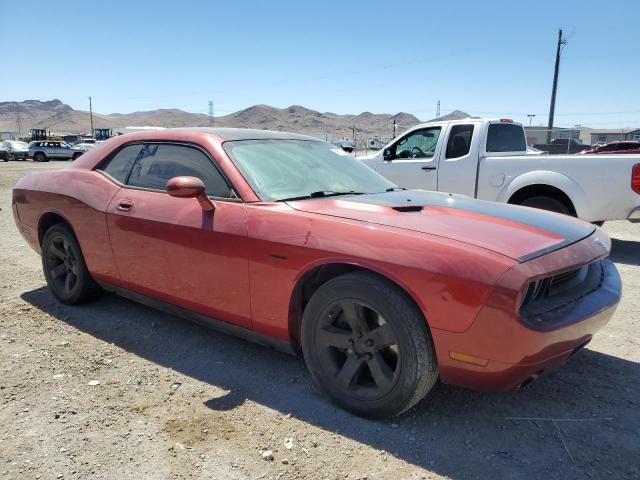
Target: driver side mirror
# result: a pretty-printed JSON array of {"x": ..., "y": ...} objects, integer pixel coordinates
[
  {"x": 387, "y": 154},
  {"x": 190, "y": 187}
]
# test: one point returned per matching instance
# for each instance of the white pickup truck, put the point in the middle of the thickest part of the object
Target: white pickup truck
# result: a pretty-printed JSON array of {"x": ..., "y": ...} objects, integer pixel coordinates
[{"x": 487, "y": 159}]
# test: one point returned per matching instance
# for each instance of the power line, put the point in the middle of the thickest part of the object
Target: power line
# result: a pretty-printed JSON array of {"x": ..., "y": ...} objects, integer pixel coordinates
[{"x": 18, "y": 123}]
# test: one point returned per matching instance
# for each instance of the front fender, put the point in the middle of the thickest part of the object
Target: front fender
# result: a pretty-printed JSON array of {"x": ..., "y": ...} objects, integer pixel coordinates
[{"x": 563, "y": 183}]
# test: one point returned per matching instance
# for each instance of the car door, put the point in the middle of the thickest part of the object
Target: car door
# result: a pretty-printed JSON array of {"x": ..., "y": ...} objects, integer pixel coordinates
[
  {"x": 170, "y": 249},
  {"x": 56, "y": 150},
  {"x": 412, "y": 161},
  {"x": 64, "y": 150}
]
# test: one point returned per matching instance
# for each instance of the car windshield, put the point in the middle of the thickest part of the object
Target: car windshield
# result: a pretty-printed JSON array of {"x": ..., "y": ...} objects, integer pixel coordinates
[
  {"x": 17, "y": 144},
  {"x": 298, "y": 169}
]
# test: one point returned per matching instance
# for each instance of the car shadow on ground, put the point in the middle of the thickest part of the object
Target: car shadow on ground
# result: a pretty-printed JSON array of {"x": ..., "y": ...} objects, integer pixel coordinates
[
  {"x": 453, "y": 432},
  {"x": 625, "y": 251}
]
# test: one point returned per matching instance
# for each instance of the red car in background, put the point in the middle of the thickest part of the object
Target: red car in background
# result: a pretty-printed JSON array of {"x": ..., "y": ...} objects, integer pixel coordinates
[
  {"x": 286, "y": 240},
  {"x": 626, "y": 147}
]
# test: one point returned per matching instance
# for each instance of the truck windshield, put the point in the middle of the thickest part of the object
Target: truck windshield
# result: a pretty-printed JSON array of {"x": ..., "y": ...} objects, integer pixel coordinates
[
  {"x": 506, "y": 137},
  {"x": 287, "y": 169}
]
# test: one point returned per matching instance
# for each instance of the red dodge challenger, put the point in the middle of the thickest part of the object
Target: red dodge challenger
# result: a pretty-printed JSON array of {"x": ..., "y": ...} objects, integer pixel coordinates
[{"x": 285, "y": 240}]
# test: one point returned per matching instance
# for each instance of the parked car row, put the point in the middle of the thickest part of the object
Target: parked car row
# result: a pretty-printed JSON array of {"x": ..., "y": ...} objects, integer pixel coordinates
[
  {"x": 40, "y": 150},
  {"x": 13, "y": 150}
]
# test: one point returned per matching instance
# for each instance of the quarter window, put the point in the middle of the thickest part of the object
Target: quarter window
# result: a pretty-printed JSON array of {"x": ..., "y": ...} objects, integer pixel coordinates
[
  {"x": 120, "y": 164},
  {"x": 158, "y": 163},
  {"x": 459, "y": 142}
]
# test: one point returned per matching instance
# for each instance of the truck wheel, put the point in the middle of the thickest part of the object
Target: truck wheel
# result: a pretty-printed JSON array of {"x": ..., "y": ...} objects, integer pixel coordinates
[
  {"x": 40, "y": 157},
  {"x": 65, "y": 269},
  {"x": 367, "y": 346},
  {"x": 544, "y": 202}
]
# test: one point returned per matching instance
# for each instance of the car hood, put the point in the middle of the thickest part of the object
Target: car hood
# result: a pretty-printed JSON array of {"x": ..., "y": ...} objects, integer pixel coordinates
[{"x": 519, "y": 233}]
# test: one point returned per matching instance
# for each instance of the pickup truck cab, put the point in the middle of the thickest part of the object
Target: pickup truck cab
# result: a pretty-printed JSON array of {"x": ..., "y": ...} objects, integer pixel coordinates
[{"x": 487, "y": 159}]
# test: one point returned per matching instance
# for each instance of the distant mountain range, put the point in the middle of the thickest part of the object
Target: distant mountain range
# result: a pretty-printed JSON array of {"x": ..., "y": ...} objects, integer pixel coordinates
[{"x": 59, "y": 117}]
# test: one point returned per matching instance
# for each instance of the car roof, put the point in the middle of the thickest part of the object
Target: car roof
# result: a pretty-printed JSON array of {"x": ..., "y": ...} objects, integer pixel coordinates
[{"x": 231, "y": 134}]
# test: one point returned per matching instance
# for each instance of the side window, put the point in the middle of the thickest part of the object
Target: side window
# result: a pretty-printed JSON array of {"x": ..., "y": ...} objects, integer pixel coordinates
[
  {"x": 506, "y": 137},
  {"x": 120, "y": 164},
  {"x": 419, "y": 144},
  {"x": 459, "y": 142},
  {"x": 158, "y": 163}
]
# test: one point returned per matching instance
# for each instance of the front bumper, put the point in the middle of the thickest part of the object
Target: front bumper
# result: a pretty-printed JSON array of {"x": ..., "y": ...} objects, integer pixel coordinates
[
  {"x": 508, "y": 353},
  {"x": 22, "y": 155}
]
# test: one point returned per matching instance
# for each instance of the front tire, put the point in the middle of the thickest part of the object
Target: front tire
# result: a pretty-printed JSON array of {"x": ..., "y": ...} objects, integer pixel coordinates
[
  {"x": 368, "y": 346},
  {"x": 65, "y": 269}
]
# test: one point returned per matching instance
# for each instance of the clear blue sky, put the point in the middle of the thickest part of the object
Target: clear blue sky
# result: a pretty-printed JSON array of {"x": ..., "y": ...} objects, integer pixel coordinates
[{"x": 488, "y": 58}]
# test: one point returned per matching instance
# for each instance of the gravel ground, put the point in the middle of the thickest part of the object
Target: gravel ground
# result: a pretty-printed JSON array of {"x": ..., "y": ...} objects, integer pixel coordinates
[{"x": 117, "y": 390}]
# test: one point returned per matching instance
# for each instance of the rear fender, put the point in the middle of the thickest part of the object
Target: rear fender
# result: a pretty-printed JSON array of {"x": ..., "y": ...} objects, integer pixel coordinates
[{"x": 572, "y": 189}]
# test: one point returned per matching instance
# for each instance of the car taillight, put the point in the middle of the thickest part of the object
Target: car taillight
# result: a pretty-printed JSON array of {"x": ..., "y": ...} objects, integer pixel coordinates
[{"x": 635, "y": 178}]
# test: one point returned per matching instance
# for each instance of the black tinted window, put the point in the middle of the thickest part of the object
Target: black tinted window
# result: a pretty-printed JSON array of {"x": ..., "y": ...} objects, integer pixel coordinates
[
  {"x": 505, "y": 137},
  {"x": 158, "y": 163},
  {"x": 120, "y": 164},
  {"x": 459, "y": 141}
]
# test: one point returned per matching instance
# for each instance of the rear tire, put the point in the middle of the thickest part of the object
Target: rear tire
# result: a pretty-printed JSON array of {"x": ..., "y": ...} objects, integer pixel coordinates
[
  {"x": 75, "y": 155},
  {"x": 40, "y": 157},
  {"x": 367, "y": 346},
  {"x": 65, "y": 269},
  {"x": 544, "y": 202}
]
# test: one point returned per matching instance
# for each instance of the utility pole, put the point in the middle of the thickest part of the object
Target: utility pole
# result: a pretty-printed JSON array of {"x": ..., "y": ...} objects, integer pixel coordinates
[
  {"x": 437, "y": 111},
  {"x": 353, "y": 136},
  {"x": 394, "y": 128},
  {"x": 91, "y": 115},
  {"x": 552, "y": 107},
  {"x": 531, "y": 115},
  {"x": 211, "y": 113}
]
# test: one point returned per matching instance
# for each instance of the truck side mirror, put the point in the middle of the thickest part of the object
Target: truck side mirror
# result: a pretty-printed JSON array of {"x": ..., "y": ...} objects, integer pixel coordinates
[{"x": 387, "y": 155}]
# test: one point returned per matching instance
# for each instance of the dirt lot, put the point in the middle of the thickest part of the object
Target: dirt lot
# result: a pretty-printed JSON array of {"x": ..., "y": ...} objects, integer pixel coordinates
[{"x": 177, "y": 401}]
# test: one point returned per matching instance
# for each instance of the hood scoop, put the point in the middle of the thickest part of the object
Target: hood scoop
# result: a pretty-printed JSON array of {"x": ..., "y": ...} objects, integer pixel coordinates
[{"x": 408, "y": 208}]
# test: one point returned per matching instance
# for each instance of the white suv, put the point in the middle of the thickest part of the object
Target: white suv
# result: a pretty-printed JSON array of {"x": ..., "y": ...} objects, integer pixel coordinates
[{"x": 44, "y": 150}]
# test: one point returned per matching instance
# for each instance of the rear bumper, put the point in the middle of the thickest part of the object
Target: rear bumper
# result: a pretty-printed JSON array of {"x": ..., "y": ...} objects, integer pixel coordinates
[
  {"x": 513, "y": 353},
  {"x": 634, "y": 216}
]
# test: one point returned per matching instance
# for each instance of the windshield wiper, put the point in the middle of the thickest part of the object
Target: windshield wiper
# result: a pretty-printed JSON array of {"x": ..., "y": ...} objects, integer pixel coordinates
[
  {"x": 320, "y": 194},
  {"x": 393, "y": 189}
]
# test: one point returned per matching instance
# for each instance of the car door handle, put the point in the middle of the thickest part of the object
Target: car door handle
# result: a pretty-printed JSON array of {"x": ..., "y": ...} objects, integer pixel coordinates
[
  {"x": 125, "y": 205},
  {"x": 429, "y": 167}
]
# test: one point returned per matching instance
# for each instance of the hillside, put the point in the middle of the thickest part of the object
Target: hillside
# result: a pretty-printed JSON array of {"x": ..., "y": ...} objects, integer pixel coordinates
[{"x": 59, "y": 117}]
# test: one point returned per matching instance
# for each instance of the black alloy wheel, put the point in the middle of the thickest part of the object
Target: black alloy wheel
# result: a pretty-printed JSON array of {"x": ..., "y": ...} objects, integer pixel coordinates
[
  {"x": 367, "y": 345},
  {"x": 62, "y": 265},
  {"x": 358, "y": 349},
  {"x": 65, "y": 269}
]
